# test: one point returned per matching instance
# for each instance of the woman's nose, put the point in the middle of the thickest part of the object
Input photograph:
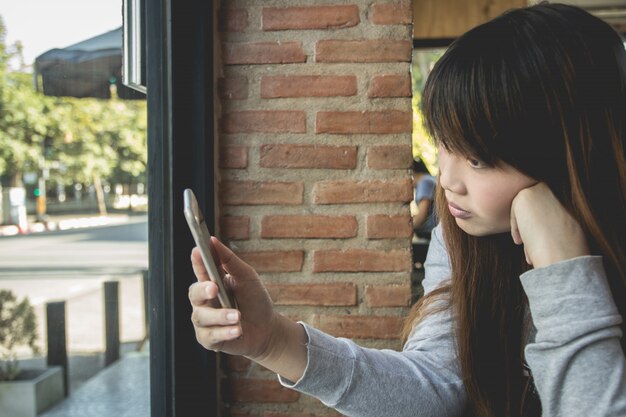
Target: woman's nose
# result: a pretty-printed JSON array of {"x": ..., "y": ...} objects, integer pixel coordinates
[{"x": 450, "y": 172}]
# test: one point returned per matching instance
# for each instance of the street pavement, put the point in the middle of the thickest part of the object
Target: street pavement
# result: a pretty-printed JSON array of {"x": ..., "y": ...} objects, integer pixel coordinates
[
  {"x": 117, "y": 247},
  {"x": 72, "y": 263},
  {"x": 63, "y": 222}
]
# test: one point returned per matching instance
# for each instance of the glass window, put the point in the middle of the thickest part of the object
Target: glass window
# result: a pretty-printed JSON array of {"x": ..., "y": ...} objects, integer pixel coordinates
[{"x": 73, "y": 212}]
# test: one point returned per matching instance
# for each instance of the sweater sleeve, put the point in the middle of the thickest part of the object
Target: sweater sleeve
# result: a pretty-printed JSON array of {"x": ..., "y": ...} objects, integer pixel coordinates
[
  {"x": 576, "y": 358},
  {"x": 422, "y": 380}
]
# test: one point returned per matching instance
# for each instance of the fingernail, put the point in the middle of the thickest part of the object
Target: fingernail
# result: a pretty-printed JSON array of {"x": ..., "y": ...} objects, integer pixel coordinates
[
  {"x": 232, "y": 316},
  {"x": 235, "y": 331},
  {"x": 206, "y": 290}
]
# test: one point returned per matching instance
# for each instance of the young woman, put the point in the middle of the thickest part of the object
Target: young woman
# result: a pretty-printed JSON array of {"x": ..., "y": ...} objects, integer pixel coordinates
[{"x": 525, "y": 277}]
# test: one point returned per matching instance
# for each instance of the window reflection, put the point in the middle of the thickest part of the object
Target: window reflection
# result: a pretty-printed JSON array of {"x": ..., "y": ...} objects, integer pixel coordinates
[{"x": 73, "y": 211}]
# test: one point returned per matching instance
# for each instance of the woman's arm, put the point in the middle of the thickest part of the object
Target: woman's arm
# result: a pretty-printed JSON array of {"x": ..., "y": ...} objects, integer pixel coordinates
[
  {"x": 577, "y": 361},
  {"x": 422, "y": 380}
]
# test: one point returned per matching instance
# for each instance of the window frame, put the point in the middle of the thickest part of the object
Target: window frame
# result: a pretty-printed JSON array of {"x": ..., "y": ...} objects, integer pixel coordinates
[{"x": 184, "y": 377}]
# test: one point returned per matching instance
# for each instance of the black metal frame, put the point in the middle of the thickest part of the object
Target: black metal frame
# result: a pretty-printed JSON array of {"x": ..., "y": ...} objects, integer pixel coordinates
[
  {"x": 432, "y": 43},
  {"x": 183, "y": 376}
]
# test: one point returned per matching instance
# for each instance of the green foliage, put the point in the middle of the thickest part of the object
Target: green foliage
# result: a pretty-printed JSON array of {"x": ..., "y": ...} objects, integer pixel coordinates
[
  {"x": 18, "y": 328},
  {"x": 24, "y": 124},
  {"x": 423, "y": 145},
  {"x": 105, "y": 138},
  {"x": 77, "y": 139}
]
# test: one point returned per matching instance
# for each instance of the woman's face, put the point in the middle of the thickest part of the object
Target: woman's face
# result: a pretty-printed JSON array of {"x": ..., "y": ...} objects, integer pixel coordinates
[{"x": 479, "y": 196}]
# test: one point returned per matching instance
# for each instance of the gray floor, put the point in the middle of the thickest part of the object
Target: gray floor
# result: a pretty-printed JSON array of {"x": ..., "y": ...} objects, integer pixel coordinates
[{"x": 121, "y": 390}]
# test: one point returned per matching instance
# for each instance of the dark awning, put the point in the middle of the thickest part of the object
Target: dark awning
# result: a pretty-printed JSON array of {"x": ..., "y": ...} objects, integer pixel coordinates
[{"x": 85, "y": 69}]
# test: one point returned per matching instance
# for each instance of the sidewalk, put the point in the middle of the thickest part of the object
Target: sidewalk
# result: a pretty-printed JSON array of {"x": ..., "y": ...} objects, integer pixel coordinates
[
  {"x": 66, "y": 222},
  {"x": 84, "y": 307},
  {"x": 121, "y": 390},
  {"x": 82, "y": 367}
]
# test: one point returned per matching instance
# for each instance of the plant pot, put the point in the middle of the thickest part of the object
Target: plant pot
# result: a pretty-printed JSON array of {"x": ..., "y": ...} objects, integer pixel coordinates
[{"x": 33, "y": 392}]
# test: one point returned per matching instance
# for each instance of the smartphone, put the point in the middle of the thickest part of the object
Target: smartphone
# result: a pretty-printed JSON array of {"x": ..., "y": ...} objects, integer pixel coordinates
[{"x": 202, "y": 237}]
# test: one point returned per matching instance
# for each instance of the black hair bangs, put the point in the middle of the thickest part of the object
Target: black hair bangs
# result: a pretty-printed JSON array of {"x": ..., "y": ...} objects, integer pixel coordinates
[{"x": 472, "y": 102}]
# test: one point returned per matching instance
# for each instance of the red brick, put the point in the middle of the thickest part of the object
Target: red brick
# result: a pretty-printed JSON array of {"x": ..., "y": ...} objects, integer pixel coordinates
[
  {"x": 281, "y": 86},
  {"x": 389, "y": 157},
  {"x": 311, "y": 17},
  {"x": 360, "y": 327},
  {"x": 264, "y": 121},
  {"x": 233, "y": 88},
  {"x": 233, "y": 157},
  {"x": 342, "y": 294},
  {"x": 309, "y": 227},
  {"x": 261, "y": 391},
  {"x": 387, "y": 295},
  {"x": 274, "y": 261},
  {"x": 237, "y": 363},
  {"x": 361, "y": 260},
  {"x": 389, "y": 227},
  {"x": 258, "y": 192},
  {"x": 308, "y": 156},
  {"x": 391, "y": 14},
  {"x": 377, "y": 50},
  {"x": 364, "y": 122},
  {"x": 349, "y": 191},
  {"x": 263, "y": 53},
  {"x": 233, "y": 20},
  {"x": 390, "y": 85},
  {"x": 235, "y": 227}
]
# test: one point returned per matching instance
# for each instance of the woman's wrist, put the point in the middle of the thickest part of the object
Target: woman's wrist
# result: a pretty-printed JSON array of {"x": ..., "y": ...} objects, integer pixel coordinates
[{"x": 285, "y": 352}]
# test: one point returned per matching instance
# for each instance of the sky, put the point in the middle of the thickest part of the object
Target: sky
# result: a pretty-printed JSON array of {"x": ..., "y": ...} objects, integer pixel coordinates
[{"x": 45, "y": 24}]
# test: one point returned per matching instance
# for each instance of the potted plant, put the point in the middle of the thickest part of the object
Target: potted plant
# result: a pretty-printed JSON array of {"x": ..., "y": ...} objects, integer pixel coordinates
[{"x": 23, "y": 392}]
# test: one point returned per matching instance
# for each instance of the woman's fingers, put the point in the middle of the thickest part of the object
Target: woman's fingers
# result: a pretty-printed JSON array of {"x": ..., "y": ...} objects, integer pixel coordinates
[
  {"x": 213, "y": 325},
  {"x": 203, "y": 293},
  {"x": 207, "y": 317},
  {"x": 198, "y": 265},
  {"x": 517, "y": 238},
  {"x": 213, "y": 337}
]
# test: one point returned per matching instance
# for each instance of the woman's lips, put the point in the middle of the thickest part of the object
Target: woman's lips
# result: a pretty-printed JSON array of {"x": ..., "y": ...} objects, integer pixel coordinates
[{"x": 458, "y": 212}]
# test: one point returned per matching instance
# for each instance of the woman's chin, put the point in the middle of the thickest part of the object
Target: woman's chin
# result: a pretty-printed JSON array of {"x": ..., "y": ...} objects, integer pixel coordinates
[{"x": 477, "y": 229}]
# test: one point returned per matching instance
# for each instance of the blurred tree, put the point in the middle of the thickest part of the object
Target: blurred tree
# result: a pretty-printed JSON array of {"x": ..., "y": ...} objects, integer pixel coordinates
[
  {"x": 106, "y": 139},
  {"x": 129, "y": 136},
  {"x": 23, "y": 121},
  {"x": 78, "y": 140},
  {"x": 131, "y": 145},
  {"x": 423, "y": 145}
]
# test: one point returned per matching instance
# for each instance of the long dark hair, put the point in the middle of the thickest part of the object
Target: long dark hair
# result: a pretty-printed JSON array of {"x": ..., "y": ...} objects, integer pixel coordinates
[{"x": 543, "y": 89}]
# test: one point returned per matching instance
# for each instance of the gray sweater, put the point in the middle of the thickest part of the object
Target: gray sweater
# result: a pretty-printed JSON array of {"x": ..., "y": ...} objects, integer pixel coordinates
[{"x": 577, "y": 362}]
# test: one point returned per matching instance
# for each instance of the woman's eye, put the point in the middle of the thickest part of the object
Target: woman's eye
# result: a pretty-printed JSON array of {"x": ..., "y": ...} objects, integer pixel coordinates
[{"x": 475, "y": 163}]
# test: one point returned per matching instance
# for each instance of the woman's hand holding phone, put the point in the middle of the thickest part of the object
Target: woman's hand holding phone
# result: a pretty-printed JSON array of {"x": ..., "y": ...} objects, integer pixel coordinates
[
  {"x": 236, "y": 332},
  {"x": 545, "y": 228},
  {"x": 255, "y": 331}
]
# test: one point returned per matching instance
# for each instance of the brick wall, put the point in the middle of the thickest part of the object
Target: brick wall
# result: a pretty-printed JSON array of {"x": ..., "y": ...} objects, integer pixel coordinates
[{"x": 314, "y": 159}]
